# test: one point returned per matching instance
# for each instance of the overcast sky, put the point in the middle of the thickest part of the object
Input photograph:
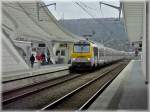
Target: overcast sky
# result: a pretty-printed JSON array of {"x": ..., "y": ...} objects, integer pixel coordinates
[{"x": 70, "y": 10}]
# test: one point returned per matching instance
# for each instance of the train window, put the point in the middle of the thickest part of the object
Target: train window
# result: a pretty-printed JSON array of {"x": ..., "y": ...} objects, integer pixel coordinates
[
  {"x": 81, "y": 48},
  {"x": 95, "y": 51},
  {"x": 101, "y": 52}
]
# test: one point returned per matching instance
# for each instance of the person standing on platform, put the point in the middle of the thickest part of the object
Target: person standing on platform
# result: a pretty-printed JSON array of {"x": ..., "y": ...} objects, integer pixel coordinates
[
  {"x": 43, "y": 58},
  {"x": 38, "y": 57},
  {"x": 32, "y": 59}
]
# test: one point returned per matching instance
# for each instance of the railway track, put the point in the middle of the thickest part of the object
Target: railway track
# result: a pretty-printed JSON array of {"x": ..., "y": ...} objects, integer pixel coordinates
[
  {"x": 75, "y": 101},
  {"x": 23, "y": 97},
  {"x": 13, "y": 95}
]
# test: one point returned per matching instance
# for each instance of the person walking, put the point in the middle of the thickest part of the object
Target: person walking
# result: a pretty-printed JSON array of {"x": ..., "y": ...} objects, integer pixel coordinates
[
  {"x": 32, "y": 59},
  {"x": 48, "y": 59}
]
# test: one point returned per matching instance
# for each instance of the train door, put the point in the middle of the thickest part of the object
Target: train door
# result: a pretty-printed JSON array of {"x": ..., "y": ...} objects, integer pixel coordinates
[{"x": 95, "y": 56}]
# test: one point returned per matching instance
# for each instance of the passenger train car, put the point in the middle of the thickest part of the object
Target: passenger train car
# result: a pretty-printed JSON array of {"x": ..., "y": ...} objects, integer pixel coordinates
[{"x": 91, "y": 54}]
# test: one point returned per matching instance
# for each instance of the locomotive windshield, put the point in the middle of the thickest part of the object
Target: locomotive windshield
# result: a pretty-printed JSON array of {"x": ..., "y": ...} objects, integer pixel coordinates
[{"x": 81, "y": 48}]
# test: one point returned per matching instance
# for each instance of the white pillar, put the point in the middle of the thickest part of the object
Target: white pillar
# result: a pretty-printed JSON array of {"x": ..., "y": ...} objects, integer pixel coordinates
[
  {"x": 52, "y": 52},
  {"x": 148, "y": 39},
  {"x": 144, "y": 43}
]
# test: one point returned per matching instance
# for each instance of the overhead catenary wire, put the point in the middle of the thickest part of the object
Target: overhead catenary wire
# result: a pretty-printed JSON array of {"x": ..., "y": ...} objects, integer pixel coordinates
[
  {"x": 88, "y": 6},
  {"x": 89, "y": 14},
  {"x": 83, "y": 8},
  {"x": 91, "y": 8},
  {"x": 89, "y": 25}
]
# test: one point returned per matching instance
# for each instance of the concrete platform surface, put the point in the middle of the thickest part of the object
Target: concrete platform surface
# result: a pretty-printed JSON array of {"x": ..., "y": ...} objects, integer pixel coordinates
[
  {"x": 33, "y": 71},
  {"x": 127, "y": 92}
]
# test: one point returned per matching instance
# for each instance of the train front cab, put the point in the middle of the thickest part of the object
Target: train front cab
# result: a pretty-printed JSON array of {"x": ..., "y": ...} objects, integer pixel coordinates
[{"x": 82, "y": 56}]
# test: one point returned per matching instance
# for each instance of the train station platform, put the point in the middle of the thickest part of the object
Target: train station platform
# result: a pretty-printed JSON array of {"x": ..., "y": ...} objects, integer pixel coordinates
[
  {"x": 13, "y": 75},
  {"x": 18, "y": 79},
  {"x": 127, "y": 92}
]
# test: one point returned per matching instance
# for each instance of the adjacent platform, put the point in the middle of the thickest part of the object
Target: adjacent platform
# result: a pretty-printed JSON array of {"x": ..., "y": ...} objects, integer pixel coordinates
[
  {"x": 127, "y": 91},
  {"x": 18, "y": 79},
  {"x": 34, "y": 71}
]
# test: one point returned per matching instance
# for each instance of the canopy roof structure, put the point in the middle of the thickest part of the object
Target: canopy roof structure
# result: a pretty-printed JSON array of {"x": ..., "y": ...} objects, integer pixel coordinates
[
  {"x": 133, "y": 12},
  {"x": 31, "y": 21}
]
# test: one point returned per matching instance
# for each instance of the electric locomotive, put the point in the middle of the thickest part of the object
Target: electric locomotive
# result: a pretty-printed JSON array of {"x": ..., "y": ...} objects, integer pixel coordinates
[
  {"x": 88, "y": 54},
  {"x": 84, "y": 54}
]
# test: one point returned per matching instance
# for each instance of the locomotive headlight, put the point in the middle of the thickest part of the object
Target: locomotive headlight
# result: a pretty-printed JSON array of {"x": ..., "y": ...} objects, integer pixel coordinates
[
  {"x": 73, "y": 59},
  {"x": 89, "y": 59}
]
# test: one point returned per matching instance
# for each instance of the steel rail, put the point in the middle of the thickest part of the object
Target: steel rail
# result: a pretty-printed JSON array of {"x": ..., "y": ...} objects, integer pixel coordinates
[
  {"x": 92, "y": 99},
  {"x": 51, "y": 105},
  {"x": 27, "y": 93},
  {"x": 6, "y": 101}
]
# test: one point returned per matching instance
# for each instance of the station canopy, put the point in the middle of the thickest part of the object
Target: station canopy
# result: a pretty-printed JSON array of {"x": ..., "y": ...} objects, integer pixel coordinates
[
  {"x": 133, "y": 12},
  {"x": 30, "y": 20}
]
